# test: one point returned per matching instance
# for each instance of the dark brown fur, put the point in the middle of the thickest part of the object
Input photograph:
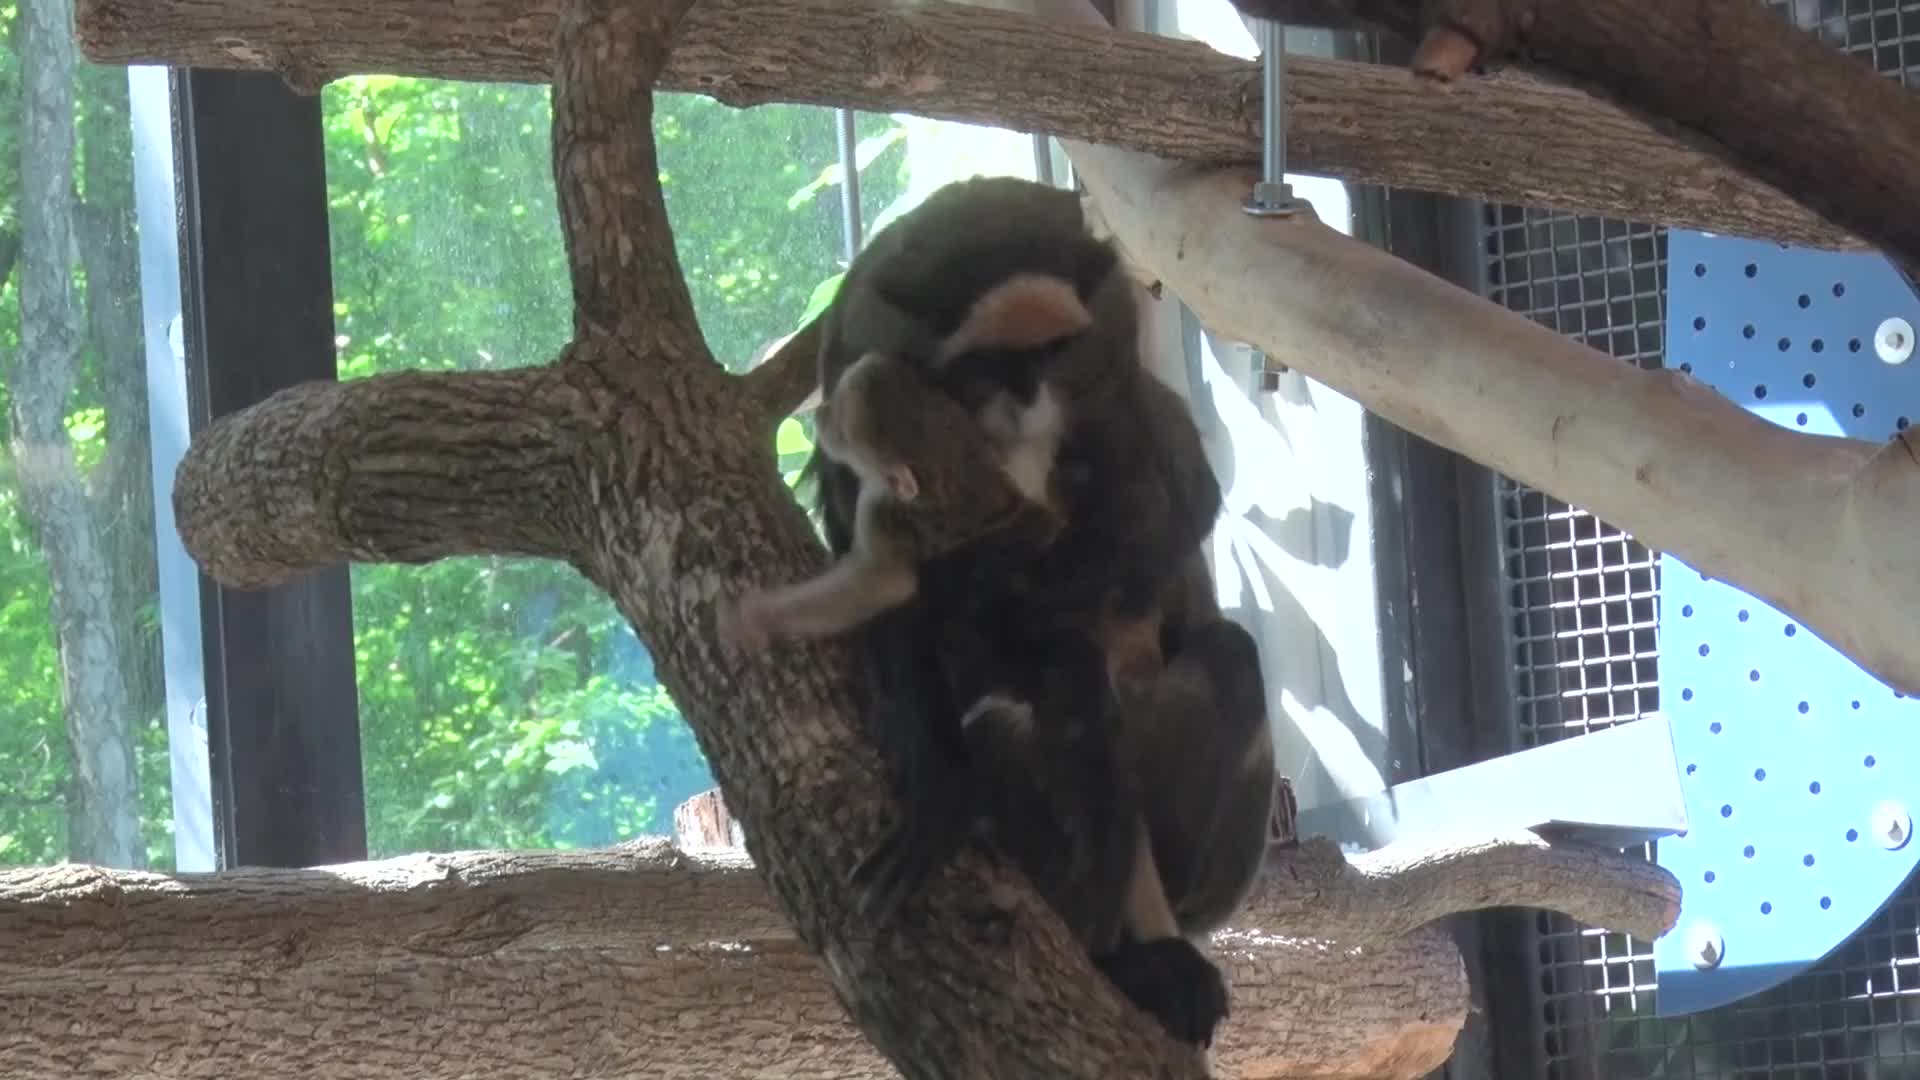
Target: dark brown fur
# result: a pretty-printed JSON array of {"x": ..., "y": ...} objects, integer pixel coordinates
[{"x": 1061, "y": 769}]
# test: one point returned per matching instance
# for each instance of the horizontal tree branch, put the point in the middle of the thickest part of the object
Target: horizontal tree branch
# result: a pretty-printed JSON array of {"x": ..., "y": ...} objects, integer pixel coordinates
[
  {"x": 655, "y": 958},
  {"x": 652, "y": 893},
  {"x": 406, "y": 467},
  {"x": 1799, "y": 113},
  {"x": 1315, "y": 891},
  {"x": 1507, "y": 138}
]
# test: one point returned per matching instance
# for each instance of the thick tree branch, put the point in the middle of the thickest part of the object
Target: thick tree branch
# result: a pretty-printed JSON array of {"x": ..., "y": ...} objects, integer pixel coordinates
[
  {"x": 1507, "y": 138},
  {"x": 663, "y": 929},
  {"x": 1314, "y": 891},
  {"x": 1794, "y": 111},
  {"x": 623, "y": 263},
  {"x": 407, "y": 468},
  {"x": 782, "y": 382},
  {"x": 1310, "y": 890},
  {"x": 656, "y": 935}
]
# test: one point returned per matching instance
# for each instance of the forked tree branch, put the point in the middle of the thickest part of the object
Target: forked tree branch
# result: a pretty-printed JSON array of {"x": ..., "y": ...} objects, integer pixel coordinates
[{"x": 1509, "y": 138}]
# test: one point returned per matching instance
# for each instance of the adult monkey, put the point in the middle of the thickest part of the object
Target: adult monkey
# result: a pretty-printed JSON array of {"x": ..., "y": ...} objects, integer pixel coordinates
[{"x": 1100, "y": 795}]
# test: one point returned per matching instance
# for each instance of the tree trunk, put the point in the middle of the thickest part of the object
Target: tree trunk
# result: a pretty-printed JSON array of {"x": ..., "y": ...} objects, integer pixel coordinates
[
  {"x": 122, "y": 487},
  {"x": 103, "y": 805},
  {"x": 1509, "y": 138}
]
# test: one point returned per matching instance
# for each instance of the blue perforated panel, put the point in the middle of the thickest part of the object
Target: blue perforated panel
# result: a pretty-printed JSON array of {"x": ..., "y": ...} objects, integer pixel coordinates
[{"x": 1794, "y": 761}]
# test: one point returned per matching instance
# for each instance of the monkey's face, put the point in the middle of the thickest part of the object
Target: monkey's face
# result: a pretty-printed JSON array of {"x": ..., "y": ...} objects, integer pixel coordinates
[{"x": 844, "y": 424}]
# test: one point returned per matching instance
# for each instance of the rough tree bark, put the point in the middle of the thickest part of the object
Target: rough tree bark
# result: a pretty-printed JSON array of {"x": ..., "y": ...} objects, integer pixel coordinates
[
  {"x": 1509, "y": 138},
  {"x": 666, "y": 963},
  {"x": 638, "y": 460},
  {"x": 1795, "y": 112},
  {"x": 102, "y": 798}
]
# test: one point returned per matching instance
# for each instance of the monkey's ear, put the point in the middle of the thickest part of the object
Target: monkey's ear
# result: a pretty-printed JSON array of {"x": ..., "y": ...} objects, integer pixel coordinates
[{"x": 1025, "y": 311}]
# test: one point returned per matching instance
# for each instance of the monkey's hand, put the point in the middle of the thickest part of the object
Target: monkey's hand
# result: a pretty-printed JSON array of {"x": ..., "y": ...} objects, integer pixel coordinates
[
  {"x": 744, "y": 623},
  {"x": 1174, "y": 981}
]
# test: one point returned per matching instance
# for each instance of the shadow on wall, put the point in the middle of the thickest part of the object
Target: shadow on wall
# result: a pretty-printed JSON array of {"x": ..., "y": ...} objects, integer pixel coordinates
[{"x": 1289, "y": 463}]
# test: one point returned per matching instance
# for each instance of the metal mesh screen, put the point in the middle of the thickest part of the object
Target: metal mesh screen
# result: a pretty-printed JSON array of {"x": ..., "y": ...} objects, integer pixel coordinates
[{"x": 1582, "y": 602}]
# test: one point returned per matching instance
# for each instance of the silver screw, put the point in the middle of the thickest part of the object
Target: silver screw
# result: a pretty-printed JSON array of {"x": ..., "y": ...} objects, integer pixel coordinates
[
  {"x": 1892, "y": 825},
  {"x": 1705, "y": 946},
  {"x": 1272, "y": 195},
  {"x": 1893, "y": 340}
]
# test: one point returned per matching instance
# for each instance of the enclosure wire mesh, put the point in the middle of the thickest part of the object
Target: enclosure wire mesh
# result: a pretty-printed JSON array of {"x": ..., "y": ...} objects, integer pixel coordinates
[{"x": 1583, "y": 601}]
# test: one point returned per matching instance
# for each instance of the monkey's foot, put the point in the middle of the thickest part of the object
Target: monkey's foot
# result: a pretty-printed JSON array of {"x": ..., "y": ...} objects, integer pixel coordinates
[{"x": 1174, "y": 981}]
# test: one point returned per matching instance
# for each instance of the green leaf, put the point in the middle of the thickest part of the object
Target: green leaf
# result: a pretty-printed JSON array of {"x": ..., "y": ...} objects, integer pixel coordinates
[
  {"x": 871, "y": 147},
  {"x": 828, "y": 177},
  {"x": 823, "y": 295},
  {"x": 791, "y": 438},
  {"x": 569, "y": 754}
]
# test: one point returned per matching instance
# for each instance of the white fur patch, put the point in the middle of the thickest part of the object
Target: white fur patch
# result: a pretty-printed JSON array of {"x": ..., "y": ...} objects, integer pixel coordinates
[{"x": 1028, "y": 460}]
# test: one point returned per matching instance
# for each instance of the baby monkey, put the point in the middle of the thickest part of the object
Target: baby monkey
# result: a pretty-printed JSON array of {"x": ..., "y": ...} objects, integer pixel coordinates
[{"x": 985, "y": 473}]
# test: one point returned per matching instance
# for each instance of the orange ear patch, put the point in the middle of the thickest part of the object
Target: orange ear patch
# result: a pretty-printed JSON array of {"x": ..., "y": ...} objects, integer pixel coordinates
[{"x": 1023, "y": 312}]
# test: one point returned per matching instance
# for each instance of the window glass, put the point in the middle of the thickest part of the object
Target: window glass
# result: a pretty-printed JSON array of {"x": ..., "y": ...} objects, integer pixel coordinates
[
  {"x": 83, "y": 741},
  {"x": 504, "y": 702}
]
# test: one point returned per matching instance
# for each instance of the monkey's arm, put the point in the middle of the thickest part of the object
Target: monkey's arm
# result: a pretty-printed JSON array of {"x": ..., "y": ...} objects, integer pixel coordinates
[{"x": 877, "y": 575}]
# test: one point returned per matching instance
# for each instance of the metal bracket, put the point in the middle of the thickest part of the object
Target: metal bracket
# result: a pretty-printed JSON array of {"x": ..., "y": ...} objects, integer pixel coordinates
[
  {"x": 1800, "y": 770},
  {"x": 1571, "y": 786}
]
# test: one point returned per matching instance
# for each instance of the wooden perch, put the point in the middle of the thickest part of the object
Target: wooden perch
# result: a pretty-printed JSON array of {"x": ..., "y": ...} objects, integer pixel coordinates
[
  {"x": 673, "y": 964},
  {"x": 1814, "y": 525},
  {"x": 1509, "y": 138},
  {"x": 1794, "y": 111}
]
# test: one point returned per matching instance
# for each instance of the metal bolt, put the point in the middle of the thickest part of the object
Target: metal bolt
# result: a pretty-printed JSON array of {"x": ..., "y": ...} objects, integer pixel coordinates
[
  {"x": 1273, "y": 196},
  {"x": 1893, "y": 340},
  {"x": 1704, "y": 944},
  {"x": 1892, "y": 825}
]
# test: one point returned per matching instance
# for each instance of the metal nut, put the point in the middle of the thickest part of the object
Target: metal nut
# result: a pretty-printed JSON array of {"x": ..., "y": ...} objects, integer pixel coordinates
[
  {"x": 1892, "y": 825},
  {"x": 1705, "y": 947},
  {"x": 1893, "y": 340}
]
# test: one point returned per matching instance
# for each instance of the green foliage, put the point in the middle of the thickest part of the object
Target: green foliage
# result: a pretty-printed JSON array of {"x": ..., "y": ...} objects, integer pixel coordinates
[
  {"x": 502, "y": 701},
  {"x": 505, "y": 702}
]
